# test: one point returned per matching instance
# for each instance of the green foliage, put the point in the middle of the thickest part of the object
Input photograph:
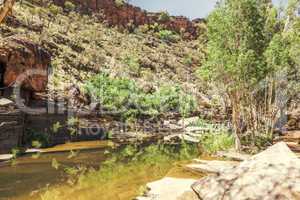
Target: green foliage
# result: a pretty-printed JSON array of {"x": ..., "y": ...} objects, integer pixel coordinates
[
  {"x": 248, "y": 46},
  {"x": 127, "y": 166},
  {"x": 114, "y": 94},
  {"x": 132, "y": 62},
  {"x": 236, "y": 44},
  {"x": 214, "y": 142},
  {"x": 144, "y": 28},
  {"x": 277, "y": 54},
  {"x": 56, "y": 126},
  {"x": 15, "y": 152},
  {"x": 258, "y": 142},
  {"x": 188, "y": 60},
  {"x": 164, "y": 17},
  {"x": 35, "y": 139},
  {"x": 55, "y": 10},
  {"x": 139, "y": 158},
  {"x": 123, "y": 96},
  {"x": 120, "y": 3},
  {"x": 55, "y": 164},
  {"x": 168, "y": 36},
  {"x": 69, "y": 6},
  {"x": 36, "y": 144}
]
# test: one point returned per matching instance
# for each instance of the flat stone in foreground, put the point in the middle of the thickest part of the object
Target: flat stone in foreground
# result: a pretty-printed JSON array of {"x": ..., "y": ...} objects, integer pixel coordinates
[
  {"x": 270, "y": 175},
  {"x": 5, "y": 157},
  {"x": 170, "y": 189}
]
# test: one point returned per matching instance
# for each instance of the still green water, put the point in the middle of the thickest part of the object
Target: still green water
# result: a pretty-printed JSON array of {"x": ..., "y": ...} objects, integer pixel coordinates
[
  {"x": 30, "y": 174},
  {"x": 35, "y": 178}
]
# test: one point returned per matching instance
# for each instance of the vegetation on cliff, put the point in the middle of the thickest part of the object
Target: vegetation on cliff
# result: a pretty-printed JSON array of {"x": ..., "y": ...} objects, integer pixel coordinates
[{"x": 81, "y": 47}]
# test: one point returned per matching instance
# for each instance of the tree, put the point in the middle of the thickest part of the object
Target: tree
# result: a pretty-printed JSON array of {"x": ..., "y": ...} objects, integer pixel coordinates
[
  {"x": 240, "y": 35},
  {"x": 6, "y": 9}
]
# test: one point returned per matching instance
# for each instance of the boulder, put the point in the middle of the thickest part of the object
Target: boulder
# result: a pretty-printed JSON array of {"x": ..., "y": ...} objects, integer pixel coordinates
[
  {"x": 18, "y": 55},
  {"x": 5, "y": 102},
  {"x": 214, "y": 166},
  {"x": 233, "y": 155},
  {"x": 6, "y": 157},
  {"x": 170, "y": 189},
  {"x": 271, "y": 174}
]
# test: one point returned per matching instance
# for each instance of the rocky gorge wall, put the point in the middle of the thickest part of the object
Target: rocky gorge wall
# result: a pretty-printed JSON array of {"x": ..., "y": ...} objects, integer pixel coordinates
[
  {"x": 126, "y": 15},
  {"x": 18, "y": 55}
]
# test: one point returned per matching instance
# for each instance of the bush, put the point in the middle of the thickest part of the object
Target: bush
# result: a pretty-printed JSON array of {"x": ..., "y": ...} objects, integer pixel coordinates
[
  {"x": 69, "y": 6},
  {"x": 55, "y": 10},
  {"x": 168, "y": 36},
  {"x": 122, "y": 96},
  {"x": 120, "y": 3},
  {"x": 132, "y": 62},
  {"x": 144, "y": 28},
  {"x": 214, "y": 142},
  {"x": 164, "y": 17},
  {"x": 36, "y": 139}
]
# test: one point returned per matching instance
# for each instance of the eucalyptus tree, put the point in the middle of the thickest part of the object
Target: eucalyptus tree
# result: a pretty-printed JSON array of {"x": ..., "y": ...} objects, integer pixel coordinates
[{"x": 243, "y": 38}]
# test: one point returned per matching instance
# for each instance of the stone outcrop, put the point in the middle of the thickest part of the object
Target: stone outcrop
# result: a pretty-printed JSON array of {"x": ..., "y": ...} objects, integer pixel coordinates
[
  {"x": 127, "y": 15},
  {"x": 18, "y": 55},
  {"x": 170, "y": 189},
  {"x": 293, "y": 118},
  {"x": 272, "y": 174}
]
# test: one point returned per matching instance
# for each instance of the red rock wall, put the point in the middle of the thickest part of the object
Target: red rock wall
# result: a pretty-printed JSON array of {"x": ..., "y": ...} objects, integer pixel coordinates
[
  {"x": 19, "y": 55},
  {"x": 125, "y": 14}
]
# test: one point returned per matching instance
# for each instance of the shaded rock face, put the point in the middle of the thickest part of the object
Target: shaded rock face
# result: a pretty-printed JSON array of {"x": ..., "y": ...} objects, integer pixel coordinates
[
  {"x": 127, "y": 14},
  {"x": 293, "y": 120},
  {"x": 18, "y": 55}
]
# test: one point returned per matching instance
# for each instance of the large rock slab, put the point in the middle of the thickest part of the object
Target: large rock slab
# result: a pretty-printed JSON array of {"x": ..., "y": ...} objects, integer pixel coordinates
[
  {"x": 18, "y": 55},
  {"x": 272, "y": 174},
  {"x": 5, "y": 157},
  {"x": 214, "y": 166},
  {"x": 170, "y": 189},
  {"x": 233, "y": 155}
]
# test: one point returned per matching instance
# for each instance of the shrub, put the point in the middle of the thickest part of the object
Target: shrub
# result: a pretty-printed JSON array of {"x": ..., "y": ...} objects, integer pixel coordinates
[
  {"x": 144, "y": 28},
  {"x": 69, "y": 6},
  {"x": 168, "y": 36},
  {"x": 164, "y": 17},
  {"x": 55, "y": 10},
  {"x": 188, "y": 60},
  {"x": 114, "y": 94},
  {"x": 132, "y": 62},
  {"x": 36, "y": 139},
  {"x": 214, "y": 142},
  {"x": 120, "y": 3},
  {"x": 121, "y": 95}
]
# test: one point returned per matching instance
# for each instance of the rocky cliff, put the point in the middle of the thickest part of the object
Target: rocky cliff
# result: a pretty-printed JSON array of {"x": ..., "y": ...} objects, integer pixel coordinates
[
  {"x": 18, "y": 55},
  {"x": 126, "y": 15}
]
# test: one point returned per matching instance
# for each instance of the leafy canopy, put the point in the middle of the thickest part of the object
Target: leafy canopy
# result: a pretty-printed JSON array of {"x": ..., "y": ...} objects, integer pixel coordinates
[{"x": 238, "y": 34}]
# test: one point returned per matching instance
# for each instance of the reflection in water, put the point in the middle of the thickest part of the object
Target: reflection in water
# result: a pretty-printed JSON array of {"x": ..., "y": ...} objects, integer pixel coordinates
[{"x": 30, "y": 174}]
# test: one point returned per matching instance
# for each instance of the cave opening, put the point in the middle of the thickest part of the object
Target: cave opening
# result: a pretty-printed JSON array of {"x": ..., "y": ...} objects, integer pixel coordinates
[{"x": 2, "y": 72}]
